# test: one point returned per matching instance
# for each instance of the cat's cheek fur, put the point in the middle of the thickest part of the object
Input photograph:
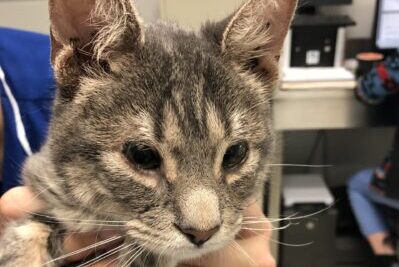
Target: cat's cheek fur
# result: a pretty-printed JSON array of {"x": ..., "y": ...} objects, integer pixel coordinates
[{"x": 25, "y": 244}]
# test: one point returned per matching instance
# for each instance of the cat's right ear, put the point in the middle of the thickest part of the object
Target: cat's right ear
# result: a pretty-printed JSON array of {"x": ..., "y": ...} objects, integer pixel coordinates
[{"x": 85, "y": 32}]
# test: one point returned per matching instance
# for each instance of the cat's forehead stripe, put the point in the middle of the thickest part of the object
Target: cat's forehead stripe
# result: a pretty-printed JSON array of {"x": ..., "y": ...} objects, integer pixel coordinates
[
  {"x": 144, "y": 127},
  {"x": 171, "y": 129},
  {"x": 214, "y": 123}
]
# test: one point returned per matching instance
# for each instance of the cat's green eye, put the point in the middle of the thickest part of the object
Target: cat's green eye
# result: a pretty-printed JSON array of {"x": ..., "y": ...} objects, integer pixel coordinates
[
  {"x": 144, "y": 157},
  {"x": 235, "y": 155}
]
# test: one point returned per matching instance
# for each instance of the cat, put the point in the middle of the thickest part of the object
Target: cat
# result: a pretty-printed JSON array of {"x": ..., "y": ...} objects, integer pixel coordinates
[{"x": 159, "y": 132}]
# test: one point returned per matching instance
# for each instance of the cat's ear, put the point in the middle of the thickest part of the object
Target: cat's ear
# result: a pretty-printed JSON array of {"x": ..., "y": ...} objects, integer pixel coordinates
[
  {"x": 92, "y": 30},
  {"x": 258, "y": 29}
]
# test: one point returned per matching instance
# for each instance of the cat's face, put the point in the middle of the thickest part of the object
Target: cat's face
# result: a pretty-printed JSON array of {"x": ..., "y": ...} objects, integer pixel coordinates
[{"x": 167, "y": 130}]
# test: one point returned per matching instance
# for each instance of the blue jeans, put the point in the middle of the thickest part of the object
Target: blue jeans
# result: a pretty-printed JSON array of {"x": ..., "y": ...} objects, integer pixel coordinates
[{"x": 364, "y": 202}]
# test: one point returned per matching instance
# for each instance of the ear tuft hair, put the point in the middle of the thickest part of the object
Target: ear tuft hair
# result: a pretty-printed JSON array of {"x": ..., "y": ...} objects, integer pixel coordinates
[
  {"x": 258, "y": 28},
  {"x": 116, "y": 21},
  {"x": 95, "y": 27}
]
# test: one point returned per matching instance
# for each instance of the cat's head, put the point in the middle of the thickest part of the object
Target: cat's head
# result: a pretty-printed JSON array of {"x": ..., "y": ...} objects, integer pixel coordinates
[{"x": 164, "y": 128}]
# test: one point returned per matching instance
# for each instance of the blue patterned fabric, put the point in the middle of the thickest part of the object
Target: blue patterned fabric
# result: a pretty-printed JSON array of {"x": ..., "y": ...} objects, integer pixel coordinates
[
  {"x": 25, "y": 61},
  {"x": 381, "y": 82}
]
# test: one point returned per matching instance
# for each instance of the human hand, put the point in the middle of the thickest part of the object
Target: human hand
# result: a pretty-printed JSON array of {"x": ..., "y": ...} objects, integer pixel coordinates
[
  {"x": 250, "y": 249},
  {"x": 20, "y": 202}
]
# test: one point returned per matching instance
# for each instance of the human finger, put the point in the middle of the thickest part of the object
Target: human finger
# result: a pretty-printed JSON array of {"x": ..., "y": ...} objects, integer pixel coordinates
[{"x": 18, "y": 203}]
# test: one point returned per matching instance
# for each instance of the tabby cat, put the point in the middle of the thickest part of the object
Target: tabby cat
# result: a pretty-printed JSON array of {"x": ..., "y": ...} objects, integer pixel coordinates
[{"x": 159, "y": 132}]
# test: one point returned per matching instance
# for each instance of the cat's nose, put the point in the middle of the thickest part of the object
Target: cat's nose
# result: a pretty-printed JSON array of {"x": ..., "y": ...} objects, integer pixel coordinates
[{"x": 198, "y": 237}]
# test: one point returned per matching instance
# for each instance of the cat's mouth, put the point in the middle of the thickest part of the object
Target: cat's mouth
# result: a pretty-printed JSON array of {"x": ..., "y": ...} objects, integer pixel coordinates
[{"x": 222, "y": 239}]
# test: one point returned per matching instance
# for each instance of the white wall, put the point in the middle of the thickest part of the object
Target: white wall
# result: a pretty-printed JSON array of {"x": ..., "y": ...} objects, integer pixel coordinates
[
  {"x": 24, "y": 14},
  {"x": 363, "y": 12},
  {"x": 32, "y": 14},
  {"x": 193, "y": 13},
  {"x": 148, "y": 9}
]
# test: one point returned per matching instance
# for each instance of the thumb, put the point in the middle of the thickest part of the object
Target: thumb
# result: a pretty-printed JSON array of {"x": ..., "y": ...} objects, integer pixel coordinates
[{"x": 18, "y": 203}]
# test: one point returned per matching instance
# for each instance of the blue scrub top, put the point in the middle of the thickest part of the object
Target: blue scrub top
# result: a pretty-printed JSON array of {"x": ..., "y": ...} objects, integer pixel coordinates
[{"x": 27, "y": 90}]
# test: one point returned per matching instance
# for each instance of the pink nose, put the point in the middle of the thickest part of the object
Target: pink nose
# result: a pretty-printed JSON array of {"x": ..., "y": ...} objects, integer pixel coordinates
[{"x": 198, "y": 237}]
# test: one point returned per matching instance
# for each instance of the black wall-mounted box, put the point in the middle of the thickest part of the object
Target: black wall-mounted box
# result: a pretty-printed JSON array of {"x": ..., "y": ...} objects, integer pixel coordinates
[{"x": 316, "y": 40}]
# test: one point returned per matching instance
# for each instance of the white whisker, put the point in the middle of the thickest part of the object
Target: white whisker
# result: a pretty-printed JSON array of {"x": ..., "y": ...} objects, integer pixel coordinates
[
  {"x": 291, "y": 245},
  {"x": 300, "y": 165},
  {"x": 84, "y": 249},
  {"x": 78, "y": 220},
  {"x": 103, "y": 256},
  {"x": 268, "y": 229},
  {"x": 240, "y": 249},
  {"x": 271, "y": 220},
  {"x": 134, "y": 256},
  {"x": 124, "y": 254},
  {"x": 293, "y": 216}
]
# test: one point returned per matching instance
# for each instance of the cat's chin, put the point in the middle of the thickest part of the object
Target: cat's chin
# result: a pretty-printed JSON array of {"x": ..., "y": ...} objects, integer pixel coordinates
[{"x": 187, "y": 253}]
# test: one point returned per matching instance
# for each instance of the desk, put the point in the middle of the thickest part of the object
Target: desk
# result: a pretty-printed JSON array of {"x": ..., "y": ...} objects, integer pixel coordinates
[{"x": 319, "y": 109}]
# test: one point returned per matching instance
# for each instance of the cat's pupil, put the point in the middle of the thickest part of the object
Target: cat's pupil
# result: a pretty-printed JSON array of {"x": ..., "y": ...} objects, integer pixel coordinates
[
  {"x": 144, "y": 157},
  {"x": 235, "y": 155}
]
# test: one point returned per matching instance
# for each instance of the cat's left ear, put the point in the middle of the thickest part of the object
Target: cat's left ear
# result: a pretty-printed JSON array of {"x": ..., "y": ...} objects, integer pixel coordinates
[{"x": 258, "y": 29}]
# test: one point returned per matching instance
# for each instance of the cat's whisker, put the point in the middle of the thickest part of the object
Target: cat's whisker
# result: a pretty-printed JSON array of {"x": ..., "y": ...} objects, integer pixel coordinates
[
  {"x": 106, "y": 241},
  {"x": 80, "y": 221},
  {"x": 263, "y": 230},
  {"x": 35, "y": 197},
  {"x": 137, "y": 254},
  {"x": 252, "y": 217},
  {"x": 86, "y": 223},
  {"x": 124, "y": 254},
  {"x": 131, "y": 252},
  {"x": 293, "y": 217},
  {"x": 121, "y": 259},
  {"x": 146, "y": 256},
  {"x": 282, "y": 243},
  {"x": 116, "y": 259},
  {"x": 262, "y": 219},
  {"x": 299, "y": 165},
  {"x": 291, "y": 245},
  {"x": 241, "y": 250},
  {"x": 169, "y": 242},
  {"x": 104, "y": 255},
  {"x": 268, "y": 229}
]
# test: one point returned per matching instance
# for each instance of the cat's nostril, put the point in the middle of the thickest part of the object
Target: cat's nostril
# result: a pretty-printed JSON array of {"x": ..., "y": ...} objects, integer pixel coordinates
[{"x": 198, "y": 237}]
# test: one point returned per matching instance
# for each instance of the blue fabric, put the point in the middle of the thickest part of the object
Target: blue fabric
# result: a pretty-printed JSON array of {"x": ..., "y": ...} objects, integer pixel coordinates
[
  {"x": 372, "y": 89},
  {"x": 364, "y": 202},
  {"x": 25, "y": 59}
]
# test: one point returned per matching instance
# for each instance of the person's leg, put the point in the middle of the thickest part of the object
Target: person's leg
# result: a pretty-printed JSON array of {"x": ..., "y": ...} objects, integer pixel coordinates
[
  {"x": 383, "y": 200},
  {"x": 370, "y": 219}
]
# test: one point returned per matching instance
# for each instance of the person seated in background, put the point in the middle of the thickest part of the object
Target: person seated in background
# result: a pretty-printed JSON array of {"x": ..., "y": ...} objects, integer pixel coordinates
[{"x": 367, "y": 189}]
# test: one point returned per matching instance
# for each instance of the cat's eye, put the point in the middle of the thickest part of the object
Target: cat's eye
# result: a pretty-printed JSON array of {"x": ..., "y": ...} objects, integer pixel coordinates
[
  {"x": 142, "y": 156},
  {"x": 235, "y": 155}
]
